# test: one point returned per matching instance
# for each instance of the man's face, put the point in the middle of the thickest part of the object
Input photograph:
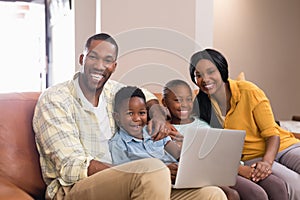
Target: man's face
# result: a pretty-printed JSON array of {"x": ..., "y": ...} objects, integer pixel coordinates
[{"x": 99, "y": 62}]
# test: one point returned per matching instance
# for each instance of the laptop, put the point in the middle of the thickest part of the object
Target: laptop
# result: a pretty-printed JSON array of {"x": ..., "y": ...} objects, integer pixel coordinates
[{"x": 209, "y": 156}]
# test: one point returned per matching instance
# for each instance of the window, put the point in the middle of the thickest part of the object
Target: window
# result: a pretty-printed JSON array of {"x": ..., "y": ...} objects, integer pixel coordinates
[{"x": 22, "y": 49}]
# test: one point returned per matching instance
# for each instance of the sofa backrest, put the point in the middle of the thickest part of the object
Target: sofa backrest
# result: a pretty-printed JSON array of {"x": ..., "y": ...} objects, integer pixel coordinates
[{"x": 19, "y": 161}]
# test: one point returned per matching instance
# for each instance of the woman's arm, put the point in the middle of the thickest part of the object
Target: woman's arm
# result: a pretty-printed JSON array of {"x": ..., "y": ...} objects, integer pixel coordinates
[{"x": 263, "y": 168}]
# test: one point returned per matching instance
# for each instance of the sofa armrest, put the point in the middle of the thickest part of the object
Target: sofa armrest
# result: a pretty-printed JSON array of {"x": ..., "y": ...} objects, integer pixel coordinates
[
  {"x": 9, "y": 191},
  {"x": 296, "y": 118}
]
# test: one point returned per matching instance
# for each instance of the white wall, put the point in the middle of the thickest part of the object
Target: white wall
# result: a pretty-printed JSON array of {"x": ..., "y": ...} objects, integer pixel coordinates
[
  {"x": 156, "y": 38},
  {"x": 261, "y": 38}
]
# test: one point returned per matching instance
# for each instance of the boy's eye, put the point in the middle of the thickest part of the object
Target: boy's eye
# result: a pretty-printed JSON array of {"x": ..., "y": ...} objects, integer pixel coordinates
[
  {"x": 143, "y": 113},
  {"x": 129, "y": 113}
]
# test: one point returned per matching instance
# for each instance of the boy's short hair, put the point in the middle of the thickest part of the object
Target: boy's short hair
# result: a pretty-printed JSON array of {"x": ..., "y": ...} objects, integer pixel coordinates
[{"x": 127, "y": 93}]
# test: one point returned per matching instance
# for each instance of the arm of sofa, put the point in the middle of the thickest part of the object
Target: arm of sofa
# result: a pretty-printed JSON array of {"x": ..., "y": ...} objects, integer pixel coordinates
[
  {"x": 296, "y": 118},
  {"x": 9, "y": 191}
]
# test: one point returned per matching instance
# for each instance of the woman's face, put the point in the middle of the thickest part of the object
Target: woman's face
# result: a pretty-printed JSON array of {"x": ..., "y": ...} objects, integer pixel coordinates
[{"x": 208, "y": 77}]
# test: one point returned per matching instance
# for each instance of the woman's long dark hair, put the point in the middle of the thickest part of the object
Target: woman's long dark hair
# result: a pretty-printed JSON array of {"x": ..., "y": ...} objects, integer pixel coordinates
[{"x": 202, "y": 103}]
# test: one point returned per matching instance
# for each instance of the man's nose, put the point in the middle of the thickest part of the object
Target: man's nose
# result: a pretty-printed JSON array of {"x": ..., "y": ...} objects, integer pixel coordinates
[{"x": 100, "y": 64}]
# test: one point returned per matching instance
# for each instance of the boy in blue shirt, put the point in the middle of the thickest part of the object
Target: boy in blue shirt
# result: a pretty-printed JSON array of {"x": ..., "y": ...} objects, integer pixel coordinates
[{"x": 132, "y": 141}]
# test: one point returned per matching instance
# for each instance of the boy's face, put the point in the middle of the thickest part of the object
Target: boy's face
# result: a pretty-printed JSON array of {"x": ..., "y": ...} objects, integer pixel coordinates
[
  {"x": 179, "y": 101},
  {"x": 132, "y": 116}
]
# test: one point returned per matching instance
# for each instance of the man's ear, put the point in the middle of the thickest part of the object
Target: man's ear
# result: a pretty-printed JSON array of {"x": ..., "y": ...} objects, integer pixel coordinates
[
  {"x": 115, "y": 66},
  {"x": 81, "y": 57},
  {"x": 163, "y": 102}
]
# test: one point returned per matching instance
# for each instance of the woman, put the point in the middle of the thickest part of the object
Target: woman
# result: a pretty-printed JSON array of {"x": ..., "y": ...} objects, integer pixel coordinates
[{"x": 230, "y": 104}]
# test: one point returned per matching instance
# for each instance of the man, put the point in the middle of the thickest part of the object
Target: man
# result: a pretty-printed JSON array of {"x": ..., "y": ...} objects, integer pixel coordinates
[{"x": 73, "y": 122}]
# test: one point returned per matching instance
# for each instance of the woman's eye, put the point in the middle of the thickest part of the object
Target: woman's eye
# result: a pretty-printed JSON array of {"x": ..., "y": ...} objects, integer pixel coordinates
[{"x": 211, "y": 71}]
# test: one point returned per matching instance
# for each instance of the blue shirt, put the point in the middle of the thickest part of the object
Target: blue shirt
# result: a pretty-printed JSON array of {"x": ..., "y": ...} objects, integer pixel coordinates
[{"x": 125, "y": 148}]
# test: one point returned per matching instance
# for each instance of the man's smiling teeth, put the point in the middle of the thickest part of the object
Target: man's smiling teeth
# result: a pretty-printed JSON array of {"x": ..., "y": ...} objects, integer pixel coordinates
[{"x": 97, "y": 77}]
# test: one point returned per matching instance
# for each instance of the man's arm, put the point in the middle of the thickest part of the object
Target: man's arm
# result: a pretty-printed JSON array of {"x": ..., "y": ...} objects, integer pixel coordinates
[
  {"x": 57, "y": 138},
  {"x": 157, "y": 126}
]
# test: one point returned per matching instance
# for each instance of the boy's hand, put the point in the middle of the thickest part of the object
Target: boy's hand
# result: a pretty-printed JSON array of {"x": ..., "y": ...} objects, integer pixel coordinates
[{"x": 173, "y": 167}]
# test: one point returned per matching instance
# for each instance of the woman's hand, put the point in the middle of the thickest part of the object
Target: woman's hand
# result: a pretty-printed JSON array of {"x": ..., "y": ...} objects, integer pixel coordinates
[
  {"x": 246, "y": 171},
  {"x": 173, "y": 170},
  {"x": 262, "y": 169}
]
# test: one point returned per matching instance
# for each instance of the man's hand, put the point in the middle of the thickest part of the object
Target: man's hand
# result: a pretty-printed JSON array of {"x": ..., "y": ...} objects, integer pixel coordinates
[
  {"x": 157, "y": 124},
  {"x": 96, "y": 166}
]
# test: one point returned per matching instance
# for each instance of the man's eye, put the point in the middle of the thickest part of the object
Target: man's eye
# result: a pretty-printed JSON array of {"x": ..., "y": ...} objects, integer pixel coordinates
[
  {"x": 108, "y": 61},
  {"x": 92, "y": 57}
]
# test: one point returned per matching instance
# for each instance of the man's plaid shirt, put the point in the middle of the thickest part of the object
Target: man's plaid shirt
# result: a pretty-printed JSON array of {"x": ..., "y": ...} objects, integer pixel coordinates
[{"x": 68, "y": 134}]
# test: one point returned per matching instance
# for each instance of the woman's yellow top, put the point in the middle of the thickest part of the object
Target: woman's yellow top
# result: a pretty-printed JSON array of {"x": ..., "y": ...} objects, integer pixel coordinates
[{"x": 251, "y": 111}]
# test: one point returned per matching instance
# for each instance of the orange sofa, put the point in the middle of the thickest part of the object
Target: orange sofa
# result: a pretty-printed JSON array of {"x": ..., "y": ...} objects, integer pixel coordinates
[{"x": 20, "y": 173}]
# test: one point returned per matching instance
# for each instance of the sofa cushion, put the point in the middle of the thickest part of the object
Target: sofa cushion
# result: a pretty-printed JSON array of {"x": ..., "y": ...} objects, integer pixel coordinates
[{"x": 19, "y": 163}]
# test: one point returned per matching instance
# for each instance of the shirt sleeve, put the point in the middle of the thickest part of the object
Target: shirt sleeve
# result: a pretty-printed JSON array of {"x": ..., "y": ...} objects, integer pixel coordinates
[
  {"x": 166, "y": 140},
  {"x": 57, "y": 137},
  {"x": 264, "y": 117}
]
